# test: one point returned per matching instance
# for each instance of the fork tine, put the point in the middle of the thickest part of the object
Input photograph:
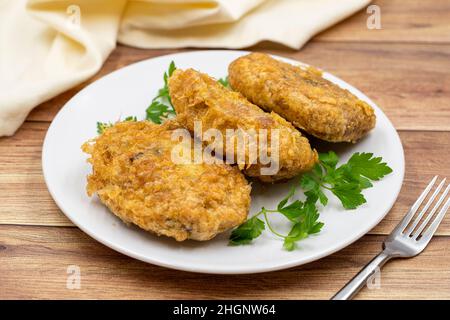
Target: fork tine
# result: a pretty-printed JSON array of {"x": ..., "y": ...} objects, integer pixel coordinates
[
  {"x": 425, "y": 208},
  {"x": 402, "y": 225},
  {"x": 428, "y": 234},
  {"x": 430, "y": 215}
]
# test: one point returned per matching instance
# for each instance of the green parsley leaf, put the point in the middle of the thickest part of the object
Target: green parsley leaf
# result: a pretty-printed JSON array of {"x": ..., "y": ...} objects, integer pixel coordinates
[
  {"x": 310, "y": 217},
  {"x": 310, "y": 183},
  {"x": 303, "y": 215},
  {"x": 349, "y": 194},
  {"x": 161, "y": 106},
  {"x": 293, "y": 211},
  {"x": 346, "y": 181},
  {"x": 297, "y": 233},
  {"x": 157, "y": 111},
  {"x": 172, "y": 68},
  {"x": 345, "y": 173},
  {"x": 366, "y": 165},
  {"x": 322, "y": 197},
  {"x": 102, "y": 126},
  {"x": 224, "y": 82},
  {"x": 329, "y": 159},
  {"x": 247, "y": 231},
  {"x": 130, "y": 118},
  {"x": 302, "y": 229},
  {"x": 285, "y": 199}
]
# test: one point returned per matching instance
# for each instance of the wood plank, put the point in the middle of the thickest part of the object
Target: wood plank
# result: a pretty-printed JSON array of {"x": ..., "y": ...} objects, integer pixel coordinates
[
  {"x": 401, "y": 21},
  {"x": 410, "y": 82},
  {"x": 423, "y": 160},
  {"x": 403, "y": 67},
  {"x": 34, "y": 261},
  {"x": 25, "y": 199}
]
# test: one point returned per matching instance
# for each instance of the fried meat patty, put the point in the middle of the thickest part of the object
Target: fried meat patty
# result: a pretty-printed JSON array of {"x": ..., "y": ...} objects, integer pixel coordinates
[
  {"x": 135, "y": 177},
  {"x": 302, "y": 96},
  {"x": 198, "y": 97}
]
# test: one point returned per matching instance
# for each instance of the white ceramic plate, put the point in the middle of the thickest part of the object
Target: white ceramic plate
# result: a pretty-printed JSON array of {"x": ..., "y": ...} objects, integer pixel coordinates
[{"x": 128, "y": 91}]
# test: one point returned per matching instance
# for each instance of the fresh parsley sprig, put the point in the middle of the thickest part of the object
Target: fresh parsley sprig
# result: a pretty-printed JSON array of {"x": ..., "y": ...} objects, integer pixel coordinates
[
  {"x": 302, "y": 215},
  {"x": 161, "y": 106},
  {"x": 347, "y": 181}
]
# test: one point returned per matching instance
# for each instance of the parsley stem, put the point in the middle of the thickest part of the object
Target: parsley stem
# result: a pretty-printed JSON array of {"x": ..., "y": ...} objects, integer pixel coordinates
[
  {"x": 270, "y": 226},
  {"x": 259, "y": 213}
]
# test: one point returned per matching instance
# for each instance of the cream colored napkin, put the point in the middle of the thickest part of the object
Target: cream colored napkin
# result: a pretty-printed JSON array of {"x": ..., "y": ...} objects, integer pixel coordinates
[{"x": 49, "y": 46}]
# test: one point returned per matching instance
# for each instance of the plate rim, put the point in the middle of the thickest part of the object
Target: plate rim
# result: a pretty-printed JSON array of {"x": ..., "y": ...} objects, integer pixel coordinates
[{"x": 200, "y": 268}]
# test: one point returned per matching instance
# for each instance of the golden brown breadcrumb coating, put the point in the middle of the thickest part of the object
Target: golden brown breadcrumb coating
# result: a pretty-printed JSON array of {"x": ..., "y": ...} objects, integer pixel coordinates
[
  {"x": 302, "y": 96},
  {"x": 135, "y": 177},
  {"x": 198, "y": 97}
]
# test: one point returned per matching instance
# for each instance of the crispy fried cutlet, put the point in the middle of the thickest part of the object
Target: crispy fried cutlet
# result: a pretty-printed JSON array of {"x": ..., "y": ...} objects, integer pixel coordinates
[
  {"x": 198, "y": 97},
  {"x": 302, "y": 96},
  {"x": 134, "y": 175}
]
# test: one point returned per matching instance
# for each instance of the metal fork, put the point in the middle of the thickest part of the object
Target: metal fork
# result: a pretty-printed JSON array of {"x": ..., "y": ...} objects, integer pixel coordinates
[{"x": 403, "y": 243}]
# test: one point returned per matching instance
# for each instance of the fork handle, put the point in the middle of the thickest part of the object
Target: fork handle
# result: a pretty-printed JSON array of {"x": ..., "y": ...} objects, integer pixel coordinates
[{"x": 354, "y": 285}]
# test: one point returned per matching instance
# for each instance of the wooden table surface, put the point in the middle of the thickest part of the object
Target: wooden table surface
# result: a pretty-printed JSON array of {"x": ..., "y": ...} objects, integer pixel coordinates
[{"x": 404, "y": 67}]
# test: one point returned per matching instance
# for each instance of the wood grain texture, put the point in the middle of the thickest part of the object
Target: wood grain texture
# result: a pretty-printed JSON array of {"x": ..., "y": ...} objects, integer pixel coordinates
[
  {"x": 28, "y": 202},
  {"x": 410, "y": 82},
  {"x": 401, "y": 21},
  {"x": 34, "y": 261},
  {"x": 24, "y": 198}
]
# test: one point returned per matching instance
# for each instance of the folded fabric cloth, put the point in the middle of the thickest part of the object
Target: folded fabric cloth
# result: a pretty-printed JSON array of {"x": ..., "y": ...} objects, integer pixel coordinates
[{"x": 49, "y": 46}]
